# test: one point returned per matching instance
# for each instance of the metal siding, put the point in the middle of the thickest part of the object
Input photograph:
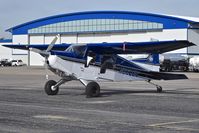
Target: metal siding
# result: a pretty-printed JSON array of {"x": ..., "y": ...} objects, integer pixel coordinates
[
  {"x": 69, "y": 39},
  {"x": 193, "y": 37},
  {"x": 165, "y": 35}
]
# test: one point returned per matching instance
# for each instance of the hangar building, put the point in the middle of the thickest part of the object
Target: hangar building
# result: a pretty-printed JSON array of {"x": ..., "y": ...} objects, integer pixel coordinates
[{"x": 104, "y": 26}]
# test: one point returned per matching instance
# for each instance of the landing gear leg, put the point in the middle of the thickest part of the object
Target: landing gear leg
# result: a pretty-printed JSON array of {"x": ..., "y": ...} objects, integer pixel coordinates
[
  {"x": 52, "y": 87},
  {"x": 159, "y": 88}
]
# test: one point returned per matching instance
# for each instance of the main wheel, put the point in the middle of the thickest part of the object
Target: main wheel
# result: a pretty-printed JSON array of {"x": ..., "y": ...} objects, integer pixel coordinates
[
  {"x": 159, "y": 89},
  {"x": 50, "y": 89},
  {"x": 92, "y": 90}
]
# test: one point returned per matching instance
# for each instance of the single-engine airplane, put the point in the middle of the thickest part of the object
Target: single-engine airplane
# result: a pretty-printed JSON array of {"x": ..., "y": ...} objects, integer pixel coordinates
[{"x": 93, "y": 62}]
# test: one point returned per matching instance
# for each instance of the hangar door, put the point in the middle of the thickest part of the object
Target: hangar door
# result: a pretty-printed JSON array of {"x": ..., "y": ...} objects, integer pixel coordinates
[{"x": 35, "y": 59}]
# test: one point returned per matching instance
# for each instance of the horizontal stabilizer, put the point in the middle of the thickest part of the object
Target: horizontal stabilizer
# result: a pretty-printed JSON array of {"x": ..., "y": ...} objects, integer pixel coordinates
[{"x": 162, "y": 76}]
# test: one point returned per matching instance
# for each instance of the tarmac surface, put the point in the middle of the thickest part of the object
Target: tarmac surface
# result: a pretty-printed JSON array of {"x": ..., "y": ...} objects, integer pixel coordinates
[{"x": 133, "y": 107}]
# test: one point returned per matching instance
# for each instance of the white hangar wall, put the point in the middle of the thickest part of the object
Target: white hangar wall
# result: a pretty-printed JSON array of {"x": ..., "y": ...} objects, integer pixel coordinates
[
  {"x": 20, "y": 54},
  {"x": 135, "y": 37},
  {"x": 5, "y": 53},
  {"x": 35, "y": 58},
  {"x": 13, "y": 54}
]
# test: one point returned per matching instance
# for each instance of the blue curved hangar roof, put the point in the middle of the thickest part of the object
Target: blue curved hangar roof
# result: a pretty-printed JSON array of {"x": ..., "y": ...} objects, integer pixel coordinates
[{"x": 101, "y": 21}]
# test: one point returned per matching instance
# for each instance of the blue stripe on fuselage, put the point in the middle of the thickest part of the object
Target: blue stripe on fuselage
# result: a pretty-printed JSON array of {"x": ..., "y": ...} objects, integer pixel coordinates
[{"x": 119, "y": 62}]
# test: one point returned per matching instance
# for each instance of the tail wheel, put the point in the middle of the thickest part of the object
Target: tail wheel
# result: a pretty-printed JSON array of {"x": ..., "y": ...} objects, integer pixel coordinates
[
  {"x": 159, "y": 89},
  {"x": 50, "y": 89},
  {"x": 92, "y": 90}
]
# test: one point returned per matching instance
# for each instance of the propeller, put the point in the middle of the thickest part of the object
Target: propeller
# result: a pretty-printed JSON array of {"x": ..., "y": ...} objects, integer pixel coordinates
[
  {"x": 43, "y": 53},
  {"x": 52, "y": 43},
  {"x": 46, "y": 53}
]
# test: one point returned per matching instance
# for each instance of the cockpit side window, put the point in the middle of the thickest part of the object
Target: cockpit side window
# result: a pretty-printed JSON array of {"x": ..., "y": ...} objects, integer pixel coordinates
[{"x": 77, "y": 50}]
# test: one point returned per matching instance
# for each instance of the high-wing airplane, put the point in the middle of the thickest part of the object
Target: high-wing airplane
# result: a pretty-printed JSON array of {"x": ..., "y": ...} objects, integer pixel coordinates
[{"x": 94, "y": 62}]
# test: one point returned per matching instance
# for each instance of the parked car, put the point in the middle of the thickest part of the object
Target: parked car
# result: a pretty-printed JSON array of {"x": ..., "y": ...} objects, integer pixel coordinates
[
  {"x": 17, "y": 63},
  {"x": 5, "y": 62},
  {"x": 194, "y": 64},
  {"x": 180, "y": 65}
]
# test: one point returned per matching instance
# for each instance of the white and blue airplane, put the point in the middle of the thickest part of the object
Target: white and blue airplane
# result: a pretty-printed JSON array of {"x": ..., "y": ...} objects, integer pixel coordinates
[{"x": 95, "y": 62}]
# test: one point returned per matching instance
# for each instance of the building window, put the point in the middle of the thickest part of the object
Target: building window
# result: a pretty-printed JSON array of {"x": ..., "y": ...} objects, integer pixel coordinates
[{"x": 97, "y": 25}]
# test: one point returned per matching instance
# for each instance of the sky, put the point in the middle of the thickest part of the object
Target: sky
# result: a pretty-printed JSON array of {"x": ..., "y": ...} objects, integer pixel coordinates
[{"x": 15, "y": 12}]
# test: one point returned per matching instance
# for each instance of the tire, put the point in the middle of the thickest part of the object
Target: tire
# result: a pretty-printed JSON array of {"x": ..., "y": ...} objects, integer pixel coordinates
[
  {"x": 92, "y": 90},
  {"x": 48, "y": 88},
  {"x": 159, "y": 89}
]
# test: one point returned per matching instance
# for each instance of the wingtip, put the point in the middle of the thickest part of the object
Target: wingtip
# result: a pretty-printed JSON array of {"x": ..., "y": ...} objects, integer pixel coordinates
[{"x": 6, "y": 45}]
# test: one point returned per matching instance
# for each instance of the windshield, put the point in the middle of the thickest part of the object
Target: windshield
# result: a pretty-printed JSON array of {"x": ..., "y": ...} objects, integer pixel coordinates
[{"x": 77, "y": 50}]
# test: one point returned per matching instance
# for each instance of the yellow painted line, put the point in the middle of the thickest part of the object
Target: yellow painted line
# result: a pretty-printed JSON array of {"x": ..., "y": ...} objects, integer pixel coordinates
[
  {"x": 56, "y": 117},
  {"x": 98, "y": 102},
  {"x": 179, "y": 128},
  {"x": 170, "y": 123}
]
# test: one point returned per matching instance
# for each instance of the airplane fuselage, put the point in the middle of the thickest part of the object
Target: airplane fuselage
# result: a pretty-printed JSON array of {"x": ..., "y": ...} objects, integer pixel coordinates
[{"x": 75, "y": 67}]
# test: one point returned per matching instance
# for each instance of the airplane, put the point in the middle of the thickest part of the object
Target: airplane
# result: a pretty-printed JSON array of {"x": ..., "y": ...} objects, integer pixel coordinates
[{"x": 99, "y": 62}]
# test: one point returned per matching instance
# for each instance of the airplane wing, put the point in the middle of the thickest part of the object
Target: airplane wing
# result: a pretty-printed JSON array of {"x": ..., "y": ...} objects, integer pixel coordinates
[
  {"x": 116, "y": 48},
  {"x": 60, "y": 47},
  {"x": 137, "y": 47}
]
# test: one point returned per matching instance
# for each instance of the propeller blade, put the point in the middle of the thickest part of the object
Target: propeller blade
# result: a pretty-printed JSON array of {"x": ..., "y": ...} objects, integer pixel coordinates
[
  {"x": 43, "y": 53},
  {"x": 52, "y": 43},
  {"x": 35, "y": 50}
]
